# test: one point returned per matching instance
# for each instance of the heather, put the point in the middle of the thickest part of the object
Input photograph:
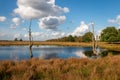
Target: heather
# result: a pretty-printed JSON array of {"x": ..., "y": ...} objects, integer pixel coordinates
[{"x": 107, "y": 68}]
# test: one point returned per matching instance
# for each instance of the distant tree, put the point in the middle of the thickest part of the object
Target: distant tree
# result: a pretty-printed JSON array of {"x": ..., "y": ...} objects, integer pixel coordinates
[
  {"x": 71, "y": 38},
  {"x": 21, "y": 40},
  {"x": 110, "y": 34},
  {"x": 15, "y": 39},
  {"x": 78, "y": 38},
  {"x": 87, "y": 37}
]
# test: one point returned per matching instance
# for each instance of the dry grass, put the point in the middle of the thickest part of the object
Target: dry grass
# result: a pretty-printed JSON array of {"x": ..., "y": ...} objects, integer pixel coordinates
[
  {"x": 114, "y": 47},
  {"x": 107, "y": 68},
  {"x": 8, "y": 43}
]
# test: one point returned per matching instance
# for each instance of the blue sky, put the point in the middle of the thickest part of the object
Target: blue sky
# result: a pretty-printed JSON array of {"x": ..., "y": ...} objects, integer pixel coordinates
[{"x": 56, "y": 18}]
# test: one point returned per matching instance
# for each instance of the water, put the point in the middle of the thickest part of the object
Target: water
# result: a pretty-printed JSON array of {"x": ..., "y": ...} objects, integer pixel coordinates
[{"x": 47, "y": 52}]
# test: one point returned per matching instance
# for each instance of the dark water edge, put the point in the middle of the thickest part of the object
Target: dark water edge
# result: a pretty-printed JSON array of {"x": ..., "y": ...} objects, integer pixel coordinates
[
  {"x": 49, "y": 52},
  {"x": 109, "y": 52}
]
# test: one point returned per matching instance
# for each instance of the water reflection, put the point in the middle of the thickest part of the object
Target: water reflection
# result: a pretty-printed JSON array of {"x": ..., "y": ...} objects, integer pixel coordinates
[
  {"x": 48, "y": 52},
  {"x": 105, "y": 53},
  {"x": 48, "y": 56},
  {"x": 80, "y": 54},
  {"x": 13, "y": 53}
]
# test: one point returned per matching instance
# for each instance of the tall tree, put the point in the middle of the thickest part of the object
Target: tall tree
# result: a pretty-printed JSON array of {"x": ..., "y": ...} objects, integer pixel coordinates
[{"x": 110, "y": 34}]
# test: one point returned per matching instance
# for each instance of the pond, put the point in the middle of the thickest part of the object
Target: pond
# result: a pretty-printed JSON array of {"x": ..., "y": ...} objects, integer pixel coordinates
[{"x": 48, "y": 52}]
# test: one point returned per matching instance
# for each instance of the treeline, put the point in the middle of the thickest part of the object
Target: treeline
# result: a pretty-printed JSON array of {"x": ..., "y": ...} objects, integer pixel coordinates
[
  {"x": 109, "y": 34},
  {"x": 16, "y": 39},
  {"x": 87, "y": 37},
  {"x": 70, "y": 38}
]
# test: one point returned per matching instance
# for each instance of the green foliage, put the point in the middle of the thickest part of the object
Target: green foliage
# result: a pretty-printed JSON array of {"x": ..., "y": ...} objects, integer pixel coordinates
[
  {"x": 87, "y": 37},
  {"x": 78, "y": 39},
  {"x": 70, "y": 38},
  {"x": 21, "y": 40},
  {"x": 119, "y": 34},
  {"x": 15, "y": 39},
  {"x": 110, "y": 34},
  {"x": 113, "y": 39}
]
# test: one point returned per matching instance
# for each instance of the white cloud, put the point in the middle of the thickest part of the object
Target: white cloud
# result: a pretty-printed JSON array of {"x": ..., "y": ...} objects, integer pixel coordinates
[
  {"x": 118, "y": 17},
  {"x": 97, "y": 36},
  {"x": 37, "y": 34},
  {"x": 13, "y": 26},
  {"x": 7, "y": 34},
  {"x": 51, "y": 22},
  {"x": 16, "y": 21},
  {"x": 2, "y": 34},
  {"x": 46, "y": 35},
  {"x": 81, "y": 29},
  {"x": 112, "y": 21},
  {"x": 38, "y": 8},
  {"x": 18, "y": 35},
  {"x": 2, "y": 18},
  {"x": 99, "y": 32},
  {"x": 57, "y": 34},
  {"x": 24, "y": 29},
  {"x": 119, "y": 27},
  {"x": 116, "y": 20}
]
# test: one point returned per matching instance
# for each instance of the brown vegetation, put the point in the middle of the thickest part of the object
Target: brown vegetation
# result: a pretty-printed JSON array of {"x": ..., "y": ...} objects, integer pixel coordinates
[
  {"x": 9, "y": 43},
  {"x": 114, "y": 47},
  {"x": 110, "y": 46},
  {"x": 107, "y": 68}
]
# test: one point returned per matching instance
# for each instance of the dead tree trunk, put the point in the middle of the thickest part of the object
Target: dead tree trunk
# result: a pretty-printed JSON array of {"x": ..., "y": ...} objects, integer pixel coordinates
[
  {"x": 30, "y": 40},
  {"x": 94, "y": 41}
]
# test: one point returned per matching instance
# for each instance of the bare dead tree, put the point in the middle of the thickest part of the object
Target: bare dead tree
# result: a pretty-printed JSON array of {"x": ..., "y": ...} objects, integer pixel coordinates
[
  {"x": 30, "y": 40},
  {"x": 94, "y": 41}
]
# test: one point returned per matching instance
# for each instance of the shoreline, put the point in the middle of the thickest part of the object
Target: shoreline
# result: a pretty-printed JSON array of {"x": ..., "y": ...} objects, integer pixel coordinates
[{"x": 113, "y": 47}]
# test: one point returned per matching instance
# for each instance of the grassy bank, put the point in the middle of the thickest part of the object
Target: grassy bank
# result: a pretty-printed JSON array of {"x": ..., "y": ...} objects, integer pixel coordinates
[
  {"x": 9, "y": 43},
  {"x": 114, "y": 47},
  {"x": 107, "y": 68}
]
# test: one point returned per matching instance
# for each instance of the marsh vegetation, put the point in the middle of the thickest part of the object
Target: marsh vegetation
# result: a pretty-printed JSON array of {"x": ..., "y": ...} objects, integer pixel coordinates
[{"x": 58, "y": 69}]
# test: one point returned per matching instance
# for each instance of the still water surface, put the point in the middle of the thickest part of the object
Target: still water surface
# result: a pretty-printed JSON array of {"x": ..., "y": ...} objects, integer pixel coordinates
[{"x": 45, "y": 52}]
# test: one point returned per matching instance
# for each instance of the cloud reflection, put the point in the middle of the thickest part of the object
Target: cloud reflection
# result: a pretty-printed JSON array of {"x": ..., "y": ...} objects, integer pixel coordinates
[
  {"x": 48, "y": 52},
  {"x": 48, "y": 56},
  {"x": 80, "y": 54}
]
